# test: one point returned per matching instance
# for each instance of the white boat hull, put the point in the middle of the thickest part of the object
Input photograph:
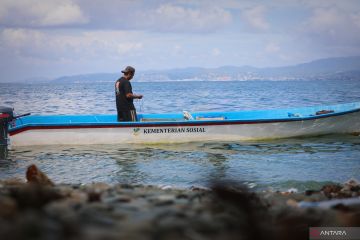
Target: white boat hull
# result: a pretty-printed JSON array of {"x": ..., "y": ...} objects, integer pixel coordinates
[{"x": 182, "y": 132}]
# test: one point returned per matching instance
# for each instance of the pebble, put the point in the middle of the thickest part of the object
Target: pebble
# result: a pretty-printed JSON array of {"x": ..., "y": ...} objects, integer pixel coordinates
[{"x": 124, "y": 211}]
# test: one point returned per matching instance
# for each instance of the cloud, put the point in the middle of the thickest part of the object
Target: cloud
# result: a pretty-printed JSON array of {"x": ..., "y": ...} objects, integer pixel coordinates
[
  {"x": 128, "y": 47},
  {"x": 176, "y": 18},
  {"x": 34, "y": 13},
  {"x": 27, "y": 53},
  {"x": 272, "y": 48},
  {"x": 36, "y": 44},
  {"x": 255, "y": 17},
  {"x": 356, "y": 19},
  {"x": 334, "y": 26},
  {"x": 14, "y": 37},
  {"x": 177, "y": 50},
  {"x": 143, "y": 15},
  {"x": 347, "y": 5},
  {"x": 216, "y": 52},
  {"x": 323, "y": 19}
]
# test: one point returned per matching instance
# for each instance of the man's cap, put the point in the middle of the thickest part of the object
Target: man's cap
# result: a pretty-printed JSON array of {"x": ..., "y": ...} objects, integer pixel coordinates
[{"x": 128, "y": 69}]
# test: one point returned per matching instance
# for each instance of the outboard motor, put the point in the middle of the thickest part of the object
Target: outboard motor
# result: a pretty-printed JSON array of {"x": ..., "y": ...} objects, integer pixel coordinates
[{"x": 6, "y": 116}]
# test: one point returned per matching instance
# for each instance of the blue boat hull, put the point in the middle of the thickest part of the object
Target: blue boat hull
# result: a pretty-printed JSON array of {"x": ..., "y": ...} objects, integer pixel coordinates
[{"x": 184, "y": 127}]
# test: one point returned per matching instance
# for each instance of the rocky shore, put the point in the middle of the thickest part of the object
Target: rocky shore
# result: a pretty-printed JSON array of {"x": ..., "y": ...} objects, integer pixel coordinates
[{"x": 40, "y": 209}]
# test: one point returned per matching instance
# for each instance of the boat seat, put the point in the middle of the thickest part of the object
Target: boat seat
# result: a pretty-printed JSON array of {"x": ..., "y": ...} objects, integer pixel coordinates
[
  {"x": 292, "y": 115},
  {"x": 324, "y": 112},
  {"x": 161, "y": 119},
  {"x": 210, "y": 118}
]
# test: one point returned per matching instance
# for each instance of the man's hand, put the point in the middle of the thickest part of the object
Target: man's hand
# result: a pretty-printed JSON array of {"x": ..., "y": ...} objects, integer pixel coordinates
[{"x": 130, "y": 95}]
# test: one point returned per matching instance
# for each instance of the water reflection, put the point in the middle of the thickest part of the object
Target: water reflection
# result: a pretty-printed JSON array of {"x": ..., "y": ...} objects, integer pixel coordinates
[
  {"x": 3, "y": 152},
  {"x": 219, "y": 166},
  {"x": 277, "y": 164}
]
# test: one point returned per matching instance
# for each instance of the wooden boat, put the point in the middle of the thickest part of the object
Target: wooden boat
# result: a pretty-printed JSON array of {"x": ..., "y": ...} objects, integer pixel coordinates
[{"x": 186, "y": 127}]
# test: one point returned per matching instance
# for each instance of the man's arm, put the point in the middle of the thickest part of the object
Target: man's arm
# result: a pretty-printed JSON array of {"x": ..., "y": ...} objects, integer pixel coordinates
[
  {"x": 117, "y": 87},
  {"x": 128, "y": 91},
  {"x": 134, "y": 96}
]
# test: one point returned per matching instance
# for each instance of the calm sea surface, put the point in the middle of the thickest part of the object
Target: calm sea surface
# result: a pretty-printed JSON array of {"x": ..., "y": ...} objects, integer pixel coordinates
[{"x": 279, "y": 164}]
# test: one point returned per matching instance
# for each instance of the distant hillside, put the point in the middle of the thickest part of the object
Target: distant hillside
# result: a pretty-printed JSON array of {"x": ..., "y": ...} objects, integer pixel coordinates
[
  {"x": 319, "y": 67},
  {"x": 345, "y": 68}
]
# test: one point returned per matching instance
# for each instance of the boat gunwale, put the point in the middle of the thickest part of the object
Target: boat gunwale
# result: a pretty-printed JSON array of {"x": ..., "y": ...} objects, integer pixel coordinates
[{"x": 185, "y": 123}]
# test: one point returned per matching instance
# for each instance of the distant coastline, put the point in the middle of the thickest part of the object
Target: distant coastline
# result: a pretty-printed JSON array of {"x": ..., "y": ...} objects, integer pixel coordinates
[{"x": 341, "y": 68}]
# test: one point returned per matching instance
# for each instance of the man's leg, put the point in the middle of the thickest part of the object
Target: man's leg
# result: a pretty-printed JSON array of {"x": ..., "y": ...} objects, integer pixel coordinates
[
  {"x": 120, "y": 116},
  {"x": 133, "y": 115},
  {"x": 127, "y": 116}
]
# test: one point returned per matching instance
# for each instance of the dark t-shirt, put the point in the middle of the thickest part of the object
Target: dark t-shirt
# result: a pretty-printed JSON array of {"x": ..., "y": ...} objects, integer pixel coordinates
[{"x": 122, "y": 102}]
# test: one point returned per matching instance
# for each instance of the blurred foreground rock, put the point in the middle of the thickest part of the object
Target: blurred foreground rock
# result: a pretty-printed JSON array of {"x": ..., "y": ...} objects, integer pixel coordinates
[
  {"x": 225, "y": 211},
  {"x": 35, "y": 176}
]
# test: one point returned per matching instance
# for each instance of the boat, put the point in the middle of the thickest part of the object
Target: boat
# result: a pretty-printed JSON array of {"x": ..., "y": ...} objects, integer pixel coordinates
[{"x": 182, "y": 126}]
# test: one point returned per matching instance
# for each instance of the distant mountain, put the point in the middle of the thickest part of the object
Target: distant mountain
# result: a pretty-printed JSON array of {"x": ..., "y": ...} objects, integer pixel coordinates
[
  {"x": 344, "y": 68},
  {"x": 320, "y": 67}
]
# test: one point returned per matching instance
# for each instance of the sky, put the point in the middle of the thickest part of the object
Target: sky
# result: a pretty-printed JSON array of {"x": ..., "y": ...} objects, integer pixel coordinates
[{"x": 53, "y": 38}]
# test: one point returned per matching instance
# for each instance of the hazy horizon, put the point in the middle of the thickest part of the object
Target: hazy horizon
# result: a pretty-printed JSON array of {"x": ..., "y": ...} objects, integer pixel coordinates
[{"x": 328, "y": 66}]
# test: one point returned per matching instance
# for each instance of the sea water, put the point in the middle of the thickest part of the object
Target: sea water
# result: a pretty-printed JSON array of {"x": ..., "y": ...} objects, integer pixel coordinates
[{"x": 301, "y": 163}]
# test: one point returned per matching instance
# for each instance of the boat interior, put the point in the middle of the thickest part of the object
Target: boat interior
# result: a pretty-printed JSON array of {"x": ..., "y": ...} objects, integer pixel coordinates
[{"x": 279, "y": 114}]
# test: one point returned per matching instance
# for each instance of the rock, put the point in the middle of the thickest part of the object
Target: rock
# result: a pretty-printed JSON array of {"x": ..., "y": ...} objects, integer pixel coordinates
[
  {"x": 98, "y": 187},
  {"x": 194, "y": 188},
  {"x": 162, "y": 200},
  {"x": 290, "y": 191},
  {"x": 352, "y": 185},
  {"x": 227, "y": 211},
  {"x": 166, "y": 187},
  {"x": 78, "y": 197},
  {"x": 349, "y": 218},
  {"x": 310, "y": 192},
  {"x": 34, "y": 196},
  {"x": 292, "y": 203},
  {"x": 34, "y": 175},
  {"x": 118, "y": 199},
  {"x": 331, "y": 190},
  {"x": 12, "y": 182},
  {"x": 61, "y": 209},
  {"x": 94, "y": 197},
  {"x": 8, "y": 207},
  {"x": 331, "y": 203}
]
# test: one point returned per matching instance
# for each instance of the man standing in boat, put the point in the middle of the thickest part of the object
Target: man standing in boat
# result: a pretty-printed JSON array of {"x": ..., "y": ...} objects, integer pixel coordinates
[{"x": 126, "y": 111}]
